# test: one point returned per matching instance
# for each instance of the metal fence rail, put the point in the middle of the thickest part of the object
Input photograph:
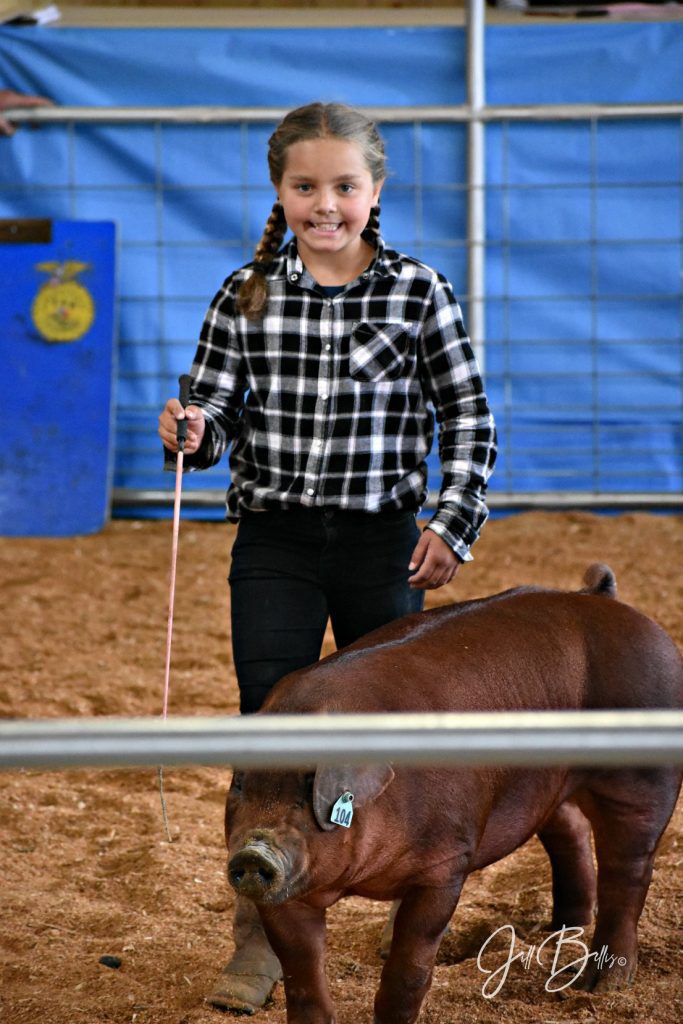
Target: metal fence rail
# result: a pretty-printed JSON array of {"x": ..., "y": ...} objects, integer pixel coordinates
[
  {"x": 535, "y": 739},
  {"x": 455, "y": 114},
  {"x": 211, "y": 498}
]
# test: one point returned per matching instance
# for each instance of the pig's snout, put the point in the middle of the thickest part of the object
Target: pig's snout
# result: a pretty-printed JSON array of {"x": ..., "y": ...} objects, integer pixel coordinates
[{"x": 256, "y": 871}]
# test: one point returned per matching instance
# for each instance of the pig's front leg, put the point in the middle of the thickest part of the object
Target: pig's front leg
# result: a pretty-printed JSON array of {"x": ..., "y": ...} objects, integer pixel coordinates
[
  {"x": 421, "y": 920},
  {"x": 297, "y": 934}
]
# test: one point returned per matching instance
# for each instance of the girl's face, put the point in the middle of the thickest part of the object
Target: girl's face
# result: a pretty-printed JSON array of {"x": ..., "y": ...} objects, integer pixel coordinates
[{"x": 327, "y": 193}]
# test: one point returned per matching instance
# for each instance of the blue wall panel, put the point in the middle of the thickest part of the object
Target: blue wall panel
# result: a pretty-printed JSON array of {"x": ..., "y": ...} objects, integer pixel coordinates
[{"x": 56, "y": 353}]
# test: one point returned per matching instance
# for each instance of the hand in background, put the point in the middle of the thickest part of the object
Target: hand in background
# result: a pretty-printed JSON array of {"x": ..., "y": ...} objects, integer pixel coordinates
[{"x": 10, "y": 98}]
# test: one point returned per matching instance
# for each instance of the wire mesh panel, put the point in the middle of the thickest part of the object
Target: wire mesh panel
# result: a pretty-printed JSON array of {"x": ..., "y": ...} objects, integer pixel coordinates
[
  {"x": 190, "y": 202},
  {"x": 584, "y": 317},
  {"x": 583, "y": 254}
]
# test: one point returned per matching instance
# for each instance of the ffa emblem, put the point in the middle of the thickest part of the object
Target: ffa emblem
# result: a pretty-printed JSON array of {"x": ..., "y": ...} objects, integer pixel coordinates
[{"x": 63, "y": 309}]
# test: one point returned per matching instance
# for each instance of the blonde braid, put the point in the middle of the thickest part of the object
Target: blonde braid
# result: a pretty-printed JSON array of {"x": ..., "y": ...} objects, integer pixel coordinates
[{"x": 253, "y": 295}]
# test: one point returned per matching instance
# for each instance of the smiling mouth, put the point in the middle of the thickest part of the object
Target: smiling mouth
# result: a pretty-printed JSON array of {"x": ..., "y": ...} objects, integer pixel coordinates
[{"x": 326, "y": 227}]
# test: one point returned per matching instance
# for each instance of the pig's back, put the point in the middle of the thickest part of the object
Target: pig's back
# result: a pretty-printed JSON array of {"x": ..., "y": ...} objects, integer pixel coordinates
[{"x": 523, "y": 649}]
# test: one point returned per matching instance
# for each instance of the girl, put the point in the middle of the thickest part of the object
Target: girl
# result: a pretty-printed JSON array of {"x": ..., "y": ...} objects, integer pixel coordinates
[{"x": 318, "y": 363}]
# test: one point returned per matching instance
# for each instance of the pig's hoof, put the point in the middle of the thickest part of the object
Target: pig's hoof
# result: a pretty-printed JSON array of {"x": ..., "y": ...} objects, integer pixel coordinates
[
  {"x": 605, "y": 981},
  {"x": 241, "y": 993}
]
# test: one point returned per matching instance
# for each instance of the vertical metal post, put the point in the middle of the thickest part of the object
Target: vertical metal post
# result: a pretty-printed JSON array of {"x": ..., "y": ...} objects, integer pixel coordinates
[{"x": 476, "y": 175}]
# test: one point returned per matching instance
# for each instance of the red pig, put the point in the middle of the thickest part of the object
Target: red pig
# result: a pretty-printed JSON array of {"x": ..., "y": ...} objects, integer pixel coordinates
[{"x": 416, "y": 833}]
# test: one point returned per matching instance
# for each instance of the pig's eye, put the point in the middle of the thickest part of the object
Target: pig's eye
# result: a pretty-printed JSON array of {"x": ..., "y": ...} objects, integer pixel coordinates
[{"x": 237, "y": 782}]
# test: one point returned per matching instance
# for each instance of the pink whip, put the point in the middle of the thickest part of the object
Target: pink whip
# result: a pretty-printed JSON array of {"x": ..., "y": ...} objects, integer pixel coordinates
[{"x": 181, "y": 433}]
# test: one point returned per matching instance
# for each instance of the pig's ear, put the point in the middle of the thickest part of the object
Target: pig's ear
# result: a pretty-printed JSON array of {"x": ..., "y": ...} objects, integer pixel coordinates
[{"x": 331, "y": 781}]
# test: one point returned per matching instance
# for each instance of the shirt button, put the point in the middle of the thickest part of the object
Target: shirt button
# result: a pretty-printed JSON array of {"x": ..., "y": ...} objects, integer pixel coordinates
[
  {"x": 324, "y": 397},
  {"x": 328, "y": 348},
  {"x": 310, "y": 491},
  {"x": 294, "y": 277}
]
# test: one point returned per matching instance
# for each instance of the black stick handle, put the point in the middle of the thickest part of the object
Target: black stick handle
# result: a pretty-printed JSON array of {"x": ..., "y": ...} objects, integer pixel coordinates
[{"x": 181, "y": 430}]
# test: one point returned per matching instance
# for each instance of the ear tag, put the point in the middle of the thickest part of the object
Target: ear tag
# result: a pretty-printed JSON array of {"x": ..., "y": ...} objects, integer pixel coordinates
[{"x": 342, "y": 812}]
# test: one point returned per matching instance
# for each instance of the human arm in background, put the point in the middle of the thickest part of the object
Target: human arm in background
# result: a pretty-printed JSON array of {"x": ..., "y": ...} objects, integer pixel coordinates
[{"x": 9, "y": 99}]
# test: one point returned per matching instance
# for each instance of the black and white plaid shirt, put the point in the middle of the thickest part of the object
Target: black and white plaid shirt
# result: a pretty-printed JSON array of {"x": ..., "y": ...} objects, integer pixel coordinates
[{"x": 326, "y": 400}]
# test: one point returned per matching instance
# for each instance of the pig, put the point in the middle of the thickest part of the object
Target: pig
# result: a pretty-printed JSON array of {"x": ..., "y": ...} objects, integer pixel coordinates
[{"x": 416, "y": 833}]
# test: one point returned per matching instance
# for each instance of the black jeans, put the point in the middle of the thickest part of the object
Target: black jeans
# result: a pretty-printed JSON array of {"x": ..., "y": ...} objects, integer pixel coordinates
[{"x": 292, "y": 570}]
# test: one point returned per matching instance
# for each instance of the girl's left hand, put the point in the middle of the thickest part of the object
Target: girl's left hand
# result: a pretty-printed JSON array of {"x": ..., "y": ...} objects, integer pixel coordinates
[{"x": 436, "y": 563}]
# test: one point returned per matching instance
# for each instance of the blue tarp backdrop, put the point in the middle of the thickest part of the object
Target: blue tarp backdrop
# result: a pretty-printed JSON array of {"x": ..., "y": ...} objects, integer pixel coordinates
[
  {"x": 583, "y": 258},
  {"x": 579, "y": 63}
]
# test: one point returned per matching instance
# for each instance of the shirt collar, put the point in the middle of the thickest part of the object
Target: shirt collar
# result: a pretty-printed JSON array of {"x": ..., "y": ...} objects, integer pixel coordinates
[{"x": 385, "y": 264}]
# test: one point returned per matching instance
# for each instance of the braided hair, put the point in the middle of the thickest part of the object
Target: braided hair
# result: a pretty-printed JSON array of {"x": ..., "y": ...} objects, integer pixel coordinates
[
  {"x": 314, "y": 121},
  {"x": 253, "y": 295}
]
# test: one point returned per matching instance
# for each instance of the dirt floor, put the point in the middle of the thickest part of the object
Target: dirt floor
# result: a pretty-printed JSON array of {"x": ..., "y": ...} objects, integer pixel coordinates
[{"x": 85, "y": 865}]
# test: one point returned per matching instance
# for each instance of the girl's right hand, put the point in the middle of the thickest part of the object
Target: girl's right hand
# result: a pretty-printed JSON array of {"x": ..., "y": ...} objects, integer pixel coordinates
[{"x": 168, "y": 426}]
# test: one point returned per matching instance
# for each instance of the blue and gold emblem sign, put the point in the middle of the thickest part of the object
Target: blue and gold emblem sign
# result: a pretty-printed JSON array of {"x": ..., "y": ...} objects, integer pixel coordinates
[{"x": 63, "y": 310}]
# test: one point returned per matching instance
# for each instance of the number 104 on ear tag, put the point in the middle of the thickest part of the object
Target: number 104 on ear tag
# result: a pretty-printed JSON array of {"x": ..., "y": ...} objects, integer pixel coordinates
[{"x": 342, "y": 811}]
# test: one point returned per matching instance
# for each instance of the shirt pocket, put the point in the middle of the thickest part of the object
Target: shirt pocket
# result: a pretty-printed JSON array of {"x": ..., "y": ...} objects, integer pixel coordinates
[{"x": 379, "y": 351}]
